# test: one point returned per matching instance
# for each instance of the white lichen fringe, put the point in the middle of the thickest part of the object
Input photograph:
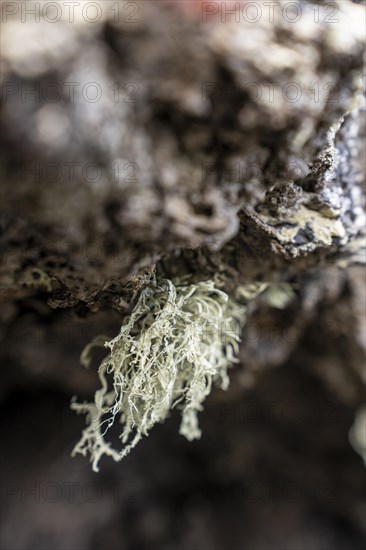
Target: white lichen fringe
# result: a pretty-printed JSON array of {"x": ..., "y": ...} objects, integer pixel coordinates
[{"x": 179, "y": 340}]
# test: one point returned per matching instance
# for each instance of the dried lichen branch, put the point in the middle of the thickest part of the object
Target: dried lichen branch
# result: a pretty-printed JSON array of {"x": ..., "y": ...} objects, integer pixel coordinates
[{"x": 179, "y": 340}]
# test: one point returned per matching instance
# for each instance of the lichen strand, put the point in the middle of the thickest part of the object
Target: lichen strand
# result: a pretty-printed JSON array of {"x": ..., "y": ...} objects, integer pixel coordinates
[{"x": 179, "y": 340}]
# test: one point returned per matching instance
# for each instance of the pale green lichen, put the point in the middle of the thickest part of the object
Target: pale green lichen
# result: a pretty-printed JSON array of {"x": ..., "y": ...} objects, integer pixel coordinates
[
  {"x": 179, "y": 340},
  {"x": 357, "y": 434},
  {"x": 280, "y": 295},
  {"x": 38, "y": 279}
]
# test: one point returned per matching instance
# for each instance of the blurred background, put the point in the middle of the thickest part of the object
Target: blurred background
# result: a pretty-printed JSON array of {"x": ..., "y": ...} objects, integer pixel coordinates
[{"x": 132, "y": 144}]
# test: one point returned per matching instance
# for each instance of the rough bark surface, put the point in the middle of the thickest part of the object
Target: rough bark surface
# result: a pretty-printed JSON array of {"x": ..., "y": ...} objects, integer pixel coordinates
[{"x": 200, "y": 158}]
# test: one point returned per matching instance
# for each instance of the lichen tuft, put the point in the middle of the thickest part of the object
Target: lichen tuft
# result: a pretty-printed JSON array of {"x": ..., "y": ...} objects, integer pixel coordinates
[{"x": 179, "y": 340}]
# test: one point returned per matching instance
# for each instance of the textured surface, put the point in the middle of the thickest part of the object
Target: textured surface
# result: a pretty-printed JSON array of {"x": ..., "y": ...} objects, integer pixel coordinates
[{"x": 218, "y": 150}]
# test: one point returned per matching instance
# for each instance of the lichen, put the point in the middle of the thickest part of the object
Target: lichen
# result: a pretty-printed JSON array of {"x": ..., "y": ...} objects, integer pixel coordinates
[
  {"x": 179, "y": 340},
  {"x": 302, "y": 229},
  {"x": 38, "y": 279},
  {"x": 357, "y": 434}
]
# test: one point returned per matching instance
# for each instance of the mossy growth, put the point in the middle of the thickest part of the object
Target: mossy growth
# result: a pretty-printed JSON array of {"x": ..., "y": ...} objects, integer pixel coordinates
[{"x": 179, "y": 340}]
